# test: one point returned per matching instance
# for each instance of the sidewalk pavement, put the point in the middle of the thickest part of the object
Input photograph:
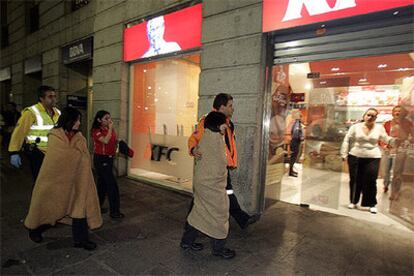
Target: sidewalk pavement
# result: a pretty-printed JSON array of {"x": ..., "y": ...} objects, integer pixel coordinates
[{"x": 286, "y": 240}]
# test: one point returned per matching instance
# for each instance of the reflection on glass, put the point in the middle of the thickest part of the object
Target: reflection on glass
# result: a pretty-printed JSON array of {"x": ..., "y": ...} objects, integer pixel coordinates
[
  {"x": 331, "y": 96},
  {"x": 164, "y": 112}
]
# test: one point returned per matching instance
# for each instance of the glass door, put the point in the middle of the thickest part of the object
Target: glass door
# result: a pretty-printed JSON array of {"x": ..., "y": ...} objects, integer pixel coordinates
[{"x": 328, "y": 97}]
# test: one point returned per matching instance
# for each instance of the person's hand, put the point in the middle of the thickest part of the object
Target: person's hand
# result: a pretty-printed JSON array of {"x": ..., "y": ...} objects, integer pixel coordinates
[
  {"x": 344, "y": 159},
  {"x": 196, "y": 153},
  {"x": 110, "y": 124},
  {"x": 15, "y": 160}
]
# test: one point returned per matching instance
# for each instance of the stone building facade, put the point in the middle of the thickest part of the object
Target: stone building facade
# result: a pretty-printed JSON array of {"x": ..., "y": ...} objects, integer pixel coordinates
[{"x": 232, "y": 61}]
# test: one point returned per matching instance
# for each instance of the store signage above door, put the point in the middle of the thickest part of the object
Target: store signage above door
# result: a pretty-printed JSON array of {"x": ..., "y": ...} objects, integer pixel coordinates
[
  {"x": 77, "y": 51},
  {"x": 282, "y": 14},
  {"x": 177, "y": 31}
]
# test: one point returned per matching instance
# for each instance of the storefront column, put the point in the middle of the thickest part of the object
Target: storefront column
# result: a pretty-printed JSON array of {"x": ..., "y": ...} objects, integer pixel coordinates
[{"x": 233, "y": 61}]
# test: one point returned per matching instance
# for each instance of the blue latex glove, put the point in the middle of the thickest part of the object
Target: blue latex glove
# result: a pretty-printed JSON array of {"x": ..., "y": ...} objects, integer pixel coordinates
[{"x": 15, "y": 160}]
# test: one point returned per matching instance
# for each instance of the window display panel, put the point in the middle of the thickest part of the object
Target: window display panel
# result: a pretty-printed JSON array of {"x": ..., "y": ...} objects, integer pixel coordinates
[
  {"x": 323, "y": 100},
  {"x": 164, "y": 96}
]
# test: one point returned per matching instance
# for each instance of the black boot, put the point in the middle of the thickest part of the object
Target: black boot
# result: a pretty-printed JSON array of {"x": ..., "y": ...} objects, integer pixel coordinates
[
  {"x": 293, "y": 173},
  {"x": 80, "y": 235},
  {"x": 218, "y": 249},
  {"x": 36, "y": 234},
  {"x": 87, "y": 245}
]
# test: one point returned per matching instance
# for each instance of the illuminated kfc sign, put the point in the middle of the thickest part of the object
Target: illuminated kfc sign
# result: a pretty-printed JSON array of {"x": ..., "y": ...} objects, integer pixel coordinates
[
  {"x": 281, "y": 14},
  {"x": 177, "y": 31}
]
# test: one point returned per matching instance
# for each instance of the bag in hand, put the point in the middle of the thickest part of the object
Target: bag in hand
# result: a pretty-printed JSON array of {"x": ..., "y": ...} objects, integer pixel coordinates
[{"x": 125, "y": 150}]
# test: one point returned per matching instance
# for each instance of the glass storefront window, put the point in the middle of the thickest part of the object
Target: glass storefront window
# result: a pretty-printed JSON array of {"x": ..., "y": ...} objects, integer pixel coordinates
[
  {"x": 163, "y": 114},
  {"x": 330, "y": 96}
]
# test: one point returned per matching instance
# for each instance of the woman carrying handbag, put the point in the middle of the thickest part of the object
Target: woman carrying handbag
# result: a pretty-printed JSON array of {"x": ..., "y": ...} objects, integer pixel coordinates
[{"x": 104, "y": 149}]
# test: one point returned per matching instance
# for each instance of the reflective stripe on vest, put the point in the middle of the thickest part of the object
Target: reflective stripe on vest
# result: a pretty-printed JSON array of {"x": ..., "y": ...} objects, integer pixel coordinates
[{"x": 40, "y": 129}]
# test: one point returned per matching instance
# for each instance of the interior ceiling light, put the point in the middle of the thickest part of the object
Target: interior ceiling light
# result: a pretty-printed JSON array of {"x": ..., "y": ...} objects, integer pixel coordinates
[
  {"x": 362, "y": 80},
  {"x": 403, "y": 69},
  {"x": 335, "y": 69},
  {"x": 382, "y": 66},
  {"x": 323, "y": 82}
]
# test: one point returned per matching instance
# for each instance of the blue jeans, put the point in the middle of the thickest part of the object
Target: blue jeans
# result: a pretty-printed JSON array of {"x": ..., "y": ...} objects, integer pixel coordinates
[{"x": 388, "y": 170}]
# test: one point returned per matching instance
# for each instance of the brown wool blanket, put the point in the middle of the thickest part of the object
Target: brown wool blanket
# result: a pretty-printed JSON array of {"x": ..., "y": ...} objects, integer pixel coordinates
[
  {"x": 210, "y": 213},
  {"x": 65, "y": 186}
]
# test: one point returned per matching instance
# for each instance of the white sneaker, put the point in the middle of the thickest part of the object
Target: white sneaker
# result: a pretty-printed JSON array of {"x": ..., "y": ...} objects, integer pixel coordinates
[
  {"x": 351, "y": 206},
  {"x": 373, "y": 210}
]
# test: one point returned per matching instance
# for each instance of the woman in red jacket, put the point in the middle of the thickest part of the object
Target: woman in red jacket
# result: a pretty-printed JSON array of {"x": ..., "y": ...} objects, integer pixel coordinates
[{"x": 104, "y": 141}]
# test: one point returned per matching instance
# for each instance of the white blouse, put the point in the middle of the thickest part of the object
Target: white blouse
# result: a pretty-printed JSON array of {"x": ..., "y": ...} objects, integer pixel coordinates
[{"x": 359, "y": 144}]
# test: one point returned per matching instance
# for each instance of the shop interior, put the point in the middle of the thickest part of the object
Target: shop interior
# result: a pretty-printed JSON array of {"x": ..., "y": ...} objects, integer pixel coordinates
[
  {"x": 163, "y": 112},
  {"x": 331, "y": 96}
]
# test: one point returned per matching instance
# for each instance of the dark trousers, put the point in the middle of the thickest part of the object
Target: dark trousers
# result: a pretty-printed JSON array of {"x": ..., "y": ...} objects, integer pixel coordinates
[
  {"x": 191, "y": 234},
  {"x": 79, "y": 230},
  {"x": 106, "y": 184},
  {"x": 240, "y": 216},
  {"x": 294, "y": 152},
  {"x": 363, "y": 174},
  {"x": 35, "y": 157}
]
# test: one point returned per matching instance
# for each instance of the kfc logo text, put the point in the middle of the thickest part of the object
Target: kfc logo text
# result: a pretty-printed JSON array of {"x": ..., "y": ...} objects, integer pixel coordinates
[
  {"x": 314, "y": 7},
  {"x": 282, "y": 14}
]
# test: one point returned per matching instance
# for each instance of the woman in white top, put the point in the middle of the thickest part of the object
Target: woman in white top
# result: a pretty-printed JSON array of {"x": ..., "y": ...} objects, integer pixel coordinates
[{"x": 361, "y": 148}]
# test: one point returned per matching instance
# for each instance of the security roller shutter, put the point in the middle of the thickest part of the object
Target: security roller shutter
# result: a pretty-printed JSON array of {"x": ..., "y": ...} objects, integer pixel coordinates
[{"x": 361, "y": 40}]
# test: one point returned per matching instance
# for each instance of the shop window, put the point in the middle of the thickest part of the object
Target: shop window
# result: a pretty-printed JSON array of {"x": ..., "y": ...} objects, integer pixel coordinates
[
  {"x": 331, "y": 96},
  {"x": 164, "y": 96},
  {"x": 4, "y": 36},
  {"x": 32, "y": 17},
  {"x": 4, "y": 25}
]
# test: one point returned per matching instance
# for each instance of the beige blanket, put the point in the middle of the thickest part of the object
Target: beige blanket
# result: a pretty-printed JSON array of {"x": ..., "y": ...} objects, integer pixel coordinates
[
  {"x": 210, "y": 213},
  {"x": 65, "y": 186}
]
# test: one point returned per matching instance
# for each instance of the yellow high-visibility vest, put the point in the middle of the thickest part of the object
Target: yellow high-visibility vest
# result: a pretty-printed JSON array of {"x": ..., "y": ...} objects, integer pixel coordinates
[{"x": 40, "y": 129}]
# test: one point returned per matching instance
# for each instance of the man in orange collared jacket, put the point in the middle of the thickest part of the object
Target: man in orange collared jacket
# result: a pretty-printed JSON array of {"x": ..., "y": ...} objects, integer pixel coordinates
[{"x": 224, "y": 103}]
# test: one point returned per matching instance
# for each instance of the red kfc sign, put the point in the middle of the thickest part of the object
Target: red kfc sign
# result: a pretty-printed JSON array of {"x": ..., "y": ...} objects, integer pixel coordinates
[
  {"x": 177, "y": 31},
  {"x": 282, "y": 14}
]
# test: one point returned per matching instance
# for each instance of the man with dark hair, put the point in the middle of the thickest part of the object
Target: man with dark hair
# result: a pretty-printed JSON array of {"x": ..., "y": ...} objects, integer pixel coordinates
[
  {"x": 224, "y": 103},
  {"x": 32, "y": 130}
]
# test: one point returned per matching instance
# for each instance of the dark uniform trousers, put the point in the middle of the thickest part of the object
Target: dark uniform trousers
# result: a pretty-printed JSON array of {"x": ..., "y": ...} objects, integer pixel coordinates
[
  {"x": 35, "y": 157},
  {"x": 106, "y": 184},
  {"x": 294, "y": 148},
  {"x": 240, "y": 216}
]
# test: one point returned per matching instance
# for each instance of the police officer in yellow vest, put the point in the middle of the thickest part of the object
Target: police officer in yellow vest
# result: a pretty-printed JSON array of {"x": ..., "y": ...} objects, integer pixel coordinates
[{"x": 33, "y": 128}]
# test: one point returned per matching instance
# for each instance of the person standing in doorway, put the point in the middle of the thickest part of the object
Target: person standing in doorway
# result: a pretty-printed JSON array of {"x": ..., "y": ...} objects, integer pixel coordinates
[
  {"x": 361, "y": 148},
  {"x": 392, "y": 127},
  {"x": 32, "y": 130},
  {"x": 297, "y": 137},
  {"x": 224, "y": 103},
  {"x": 104, "y": 149}
]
